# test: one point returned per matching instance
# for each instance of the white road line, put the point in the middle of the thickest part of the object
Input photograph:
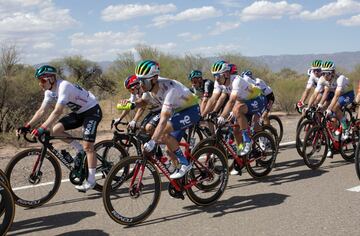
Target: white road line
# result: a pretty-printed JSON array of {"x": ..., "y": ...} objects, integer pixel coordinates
[{"x": 354, "y": 189}]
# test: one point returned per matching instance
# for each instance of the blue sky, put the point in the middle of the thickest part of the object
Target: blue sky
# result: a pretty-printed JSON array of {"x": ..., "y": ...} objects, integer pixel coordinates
[{"x": 100, "y": 30}]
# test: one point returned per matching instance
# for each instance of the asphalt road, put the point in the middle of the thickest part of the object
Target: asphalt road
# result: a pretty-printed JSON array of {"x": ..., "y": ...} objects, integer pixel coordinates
[{"x": 292, "y": 200}]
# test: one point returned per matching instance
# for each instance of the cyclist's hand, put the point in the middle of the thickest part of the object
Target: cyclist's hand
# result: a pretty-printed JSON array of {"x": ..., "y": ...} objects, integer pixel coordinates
[
  {"x": 329, "y": 113},
  {"x": 231, "y": 116},
  {"x": 319, "y": 107},
  {"x": 38, "y": 132},
  {"x": 221, "y": 120},
  {"x": 150, "y": 146},
  {"x": 123, "y": 102},
  {"x": 23, "y": 129},
  {"x": 132, "y": 124}
]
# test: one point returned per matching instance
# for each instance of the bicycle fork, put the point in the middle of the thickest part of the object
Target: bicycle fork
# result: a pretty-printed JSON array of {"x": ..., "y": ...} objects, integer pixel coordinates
[{"x": 36, "y": 174}]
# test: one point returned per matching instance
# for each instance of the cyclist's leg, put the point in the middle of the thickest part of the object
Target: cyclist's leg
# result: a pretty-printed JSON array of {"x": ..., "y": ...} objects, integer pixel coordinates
[
  {"x": 69, "y": 122},
  {"x": 270, "y": 99},
  {"x": 240, "y": 110}
]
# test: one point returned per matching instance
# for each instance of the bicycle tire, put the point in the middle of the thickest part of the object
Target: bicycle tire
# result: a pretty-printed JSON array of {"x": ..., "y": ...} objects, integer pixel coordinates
[
  {"x": 261, "y": 162},
  {"x": 12, "y": 177},
  {"x": 4, "y": 180},
  {"x": 311, "y": 136},
  {"x": 105, "y": 163},
  {"x": 348, "y": 154},
  {"x": 275, "y": 119},
  {"x": 271, "y": 130},
  {"x": 7, "y": 201},
  {"x": 303, "y": 128},
  {"x": 357, "y": 160},
  {"x": 223, "y": 177},
  {"x": 109, "y": 190}
]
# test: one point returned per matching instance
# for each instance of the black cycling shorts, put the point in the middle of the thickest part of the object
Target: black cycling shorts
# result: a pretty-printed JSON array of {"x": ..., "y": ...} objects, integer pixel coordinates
[
  {"x": 152, "y": 118},
  {"x": 89, "y": 120}
]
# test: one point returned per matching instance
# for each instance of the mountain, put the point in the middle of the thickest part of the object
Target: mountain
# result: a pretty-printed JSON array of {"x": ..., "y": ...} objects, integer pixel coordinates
[{"x": 300, "y": 63}]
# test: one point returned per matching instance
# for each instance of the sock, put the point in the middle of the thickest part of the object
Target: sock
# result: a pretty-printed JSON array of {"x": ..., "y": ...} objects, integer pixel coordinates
[
  {"x": 179, "y": 154},
  {"x": 91, "y": 176},
  {"x": 245, "y": 136},
  {"x": 76, "y": 145},
  {"x": 344, "y": 123}
]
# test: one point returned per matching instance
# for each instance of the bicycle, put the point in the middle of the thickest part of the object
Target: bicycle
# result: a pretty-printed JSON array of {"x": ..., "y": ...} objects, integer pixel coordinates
[
  {"x": 277, "y": 124},
  {"x": 322, "y": 134},
  {"x": 136, "y": 181},
  {"x": 7, "y": 205},
  {"x": 259, "y": 162},
  {"x": 39, "y": 168}
]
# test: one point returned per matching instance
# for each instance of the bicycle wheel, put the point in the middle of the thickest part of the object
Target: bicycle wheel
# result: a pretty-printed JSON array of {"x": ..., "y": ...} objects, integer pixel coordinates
[
  {"x": 271, "y": 130},
  {"x": 129, "y": 143},
  {"x": 4, "y": 180},
  {"x": 315, "y": 147},
  {"x": 108, "y": 153},
  {"x": 7, "y": 201},
  {"x": 300, "y": 135},
  {"x": 261, "y": 159},
  {"x": 31, "y": 190},
  {"x": 276, "y": 122},
  {"x": 348, "y": 147},
  {"x": 300, "y": 121},
  {"x": 357, "y": 161},
  {"x": 130, "y": 199},
  {"x": 211, "y": 176}
]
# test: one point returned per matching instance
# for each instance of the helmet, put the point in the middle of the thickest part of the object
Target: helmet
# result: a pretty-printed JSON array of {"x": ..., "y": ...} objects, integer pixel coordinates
[
  {"x": 130, "y": 81},
  {"x": 247, "y": 73},
  {"x": 147, "y": 69},
  {"x": 45, "y": 70},
  {"x": 233, "y": 69},
  {"x": 194, "y": 74},
  {"x": 220, "y": 67},
  {"x": 328, "y": 66},
  {"x": 316, "y": 64}
]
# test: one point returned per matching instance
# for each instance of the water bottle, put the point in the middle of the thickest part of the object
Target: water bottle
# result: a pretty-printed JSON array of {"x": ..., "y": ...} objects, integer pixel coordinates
[{"x": 67, "y": 156}]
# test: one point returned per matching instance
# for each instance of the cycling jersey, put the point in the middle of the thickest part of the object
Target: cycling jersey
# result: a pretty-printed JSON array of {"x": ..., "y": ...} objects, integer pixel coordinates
[
  {"x": 134, "y": 97},
  {"x": 71, "y": 95},
  {"x": 205, "y": 90},
  {"x": 340, "y": 83},
  {"x": 313, "y": 80},
  {"x": 245, "y": 90},
  {"x": 222, "y": 88},
  {"x": 173, "y": 96}
]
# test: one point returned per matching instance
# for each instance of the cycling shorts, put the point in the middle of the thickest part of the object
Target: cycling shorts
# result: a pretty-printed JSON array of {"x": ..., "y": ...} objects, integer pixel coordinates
[{"x": 184, "y": 119}]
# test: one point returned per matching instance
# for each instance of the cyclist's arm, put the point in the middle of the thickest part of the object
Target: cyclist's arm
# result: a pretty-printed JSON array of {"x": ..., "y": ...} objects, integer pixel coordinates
[
  {"x": 220, "y": 101},
  {"x": 335, "y": 99},
  {"x": 164, "y": 117},
  {"x": 39, "y": 114},
  {"x": 54, "y": 116},
  {"x": 325, "y": 95},
  {"x": 305, "y": 95},
  {"x": 204, "y": 101},
  {"x": 229, "y": 105},
  {"x": 211, "y": 103},
  {"x": 139, "y": 113}
]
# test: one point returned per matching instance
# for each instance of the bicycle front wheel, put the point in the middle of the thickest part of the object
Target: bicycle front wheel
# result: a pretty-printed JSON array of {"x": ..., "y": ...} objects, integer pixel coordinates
[
  {"x": 7, "y": 202},
  {"x": 130, "y": 198},
  {"x": 315, "y": 147},
  {"x": 357, "y": 161},
  {"x": 4, "y": 180},
  {"x": 211, "y": 174},
  {"x": 276, "y": 122},
  {"x": 33, "y": 185}
]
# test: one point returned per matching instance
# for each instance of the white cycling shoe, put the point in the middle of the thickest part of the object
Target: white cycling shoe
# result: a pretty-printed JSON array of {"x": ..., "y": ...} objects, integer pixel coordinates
[
  {"x": 85, "y": 186},
  {"x": 181, "y": 172}
]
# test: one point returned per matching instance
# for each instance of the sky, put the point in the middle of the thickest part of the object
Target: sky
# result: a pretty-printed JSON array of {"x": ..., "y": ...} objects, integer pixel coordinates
[{"x": 43, "y": 30}]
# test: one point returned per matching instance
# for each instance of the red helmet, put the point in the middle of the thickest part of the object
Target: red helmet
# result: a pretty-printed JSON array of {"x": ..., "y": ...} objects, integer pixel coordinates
[
  {"x": 233, "y": 69},
  {"x": 131, "y": 81}
]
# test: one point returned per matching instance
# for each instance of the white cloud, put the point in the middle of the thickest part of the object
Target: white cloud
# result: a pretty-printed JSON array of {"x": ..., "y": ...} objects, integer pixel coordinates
[
  {"x": 221, "y": 27},
  {"x": 187, "y": 36},
  {"x": 340, "y": 7},
  {"x": 269, "y": 10},
  {"x": 44, "y": 45},
  {"x": 128, "y": 11},
  {"x": 353, "y": 21},
  {"x": 216, "y": 49},
  {"x": 231, "y": 3},
  {"x": 165, "y": 46},
  {"x": 192, "y": 14}
]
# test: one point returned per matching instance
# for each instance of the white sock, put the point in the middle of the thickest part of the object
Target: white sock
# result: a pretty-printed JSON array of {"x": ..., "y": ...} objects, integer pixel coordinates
[
  {"x": 91, "y": 176},
  {"x": 76, "y": 145}
]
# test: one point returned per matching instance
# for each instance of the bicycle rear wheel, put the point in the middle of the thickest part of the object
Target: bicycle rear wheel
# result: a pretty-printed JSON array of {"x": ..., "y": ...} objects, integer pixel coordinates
[
  {"x": 129, "y": 199},
  {"x": 315, "y": 147},
  {"x": 108, "y": 153},
  {"x": 29, "y": 189},
  {"x": 300, "y": 135},
  {"x": 357, "y": 161},
  {"x": 4, "y": 180},
  {"x": 211, "y": 174},
  {"x": 276, "y": 122},
  {"x": 7, "y": 201},
  {"x": 261, "y": 159},
  {"x": 348, "y": 147}
]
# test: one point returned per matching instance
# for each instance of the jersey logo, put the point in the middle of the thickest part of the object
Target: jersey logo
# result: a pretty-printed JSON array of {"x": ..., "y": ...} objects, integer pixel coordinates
[
  {"x": 186, "y": 120},
  {"x": 254, "y": 104}
]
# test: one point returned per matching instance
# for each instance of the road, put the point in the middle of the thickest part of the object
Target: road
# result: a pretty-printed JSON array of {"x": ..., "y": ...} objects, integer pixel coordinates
[{"x": 291, "y": 200}]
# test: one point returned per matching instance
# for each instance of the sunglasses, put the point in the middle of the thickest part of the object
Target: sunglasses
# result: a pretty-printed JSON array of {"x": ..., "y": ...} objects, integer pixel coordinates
[
  {"x": 327, "y": 73},
  {"x": 317, "y": 70},
  {"x": 219, "y": 75},
  {"x": 43, "y": 80}
]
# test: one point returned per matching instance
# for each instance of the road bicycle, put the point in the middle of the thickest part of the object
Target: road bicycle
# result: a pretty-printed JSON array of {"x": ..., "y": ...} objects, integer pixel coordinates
[
  {"x": 35, "y": 174},
  {"x": 132, "y": 188},
  {"x": 7, "y": 205}
]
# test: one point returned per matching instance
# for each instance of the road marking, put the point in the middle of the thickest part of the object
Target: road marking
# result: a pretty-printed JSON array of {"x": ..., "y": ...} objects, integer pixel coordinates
[{"x": 354, "y": 189}]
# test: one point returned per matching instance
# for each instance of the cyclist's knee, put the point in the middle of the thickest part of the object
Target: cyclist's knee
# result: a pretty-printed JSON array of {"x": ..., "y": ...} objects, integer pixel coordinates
[
  {"x": 149, "y": 129},
  {"x": 58, "y": 128},
  {"x": 88, "y": 146}
]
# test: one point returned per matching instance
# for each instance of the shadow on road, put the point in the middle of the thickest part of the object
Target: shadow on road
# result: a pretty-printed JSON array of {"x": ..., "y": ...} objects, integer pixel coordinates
[
  {"x": 48, "y": 222},
  {"x": 85, "y": 232},
  {"x": 80, "y": 199}
]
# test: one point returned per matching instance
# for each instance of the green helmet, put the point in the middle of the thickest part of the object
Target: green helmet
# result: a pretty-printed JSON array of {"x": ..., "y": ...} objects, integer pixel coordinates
[
  {"x": 147, "y": 69},
  {"x": 194, "y": 74},
  {"x": 220, "y": 67},
  {"x": 44, "y": 70},
  {"x": 316, "y": 64},
  {"x": 328, "y": 66}
]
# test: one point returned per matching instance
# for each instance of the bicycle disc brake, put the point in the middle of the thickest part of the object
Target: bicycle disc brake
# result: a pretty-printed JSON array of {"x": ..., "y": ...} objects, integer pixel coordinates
[{"x": 35, "y": 179}]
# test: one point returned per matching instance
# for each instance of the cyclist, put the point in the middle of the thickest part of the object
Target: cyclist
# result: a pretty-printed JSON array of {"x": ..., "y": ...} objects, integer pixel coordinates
[
  {"x": 266, "y": 91},
  {"x": 203, "y": 88},
  {"x": 246, "y": 100},
  {"x": 85, "y": 111},
  {"x": 314, "y": 74},
  {"x": 180, "y": 110}
]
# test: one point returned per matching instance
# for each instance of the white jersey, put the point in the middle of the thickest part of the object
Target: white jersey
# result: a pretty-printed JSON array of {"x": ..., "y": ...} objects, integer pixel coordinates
[
  {"x": 266, "y": 90},
  {"x": 173, "y": 96},
  {"x": 244, "y": 89},
  {"x": 222, "y": 88},
  {"x": 340, "y": 83},
  {"x": 71, "y": 95},
  {"x": 134, "y": 97},
  {"x": 312, "y": 81},
  {"x": 152, "y": 104}
]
